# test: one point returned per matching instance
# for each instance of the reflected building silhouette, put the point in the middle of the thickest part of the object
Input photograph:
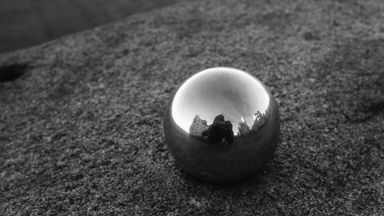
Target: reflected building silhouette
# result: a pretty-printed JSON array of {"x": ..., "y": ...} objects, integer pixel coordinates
[
  {"x": 243, "y": 128},
  {"x": 198, "y": 126}
]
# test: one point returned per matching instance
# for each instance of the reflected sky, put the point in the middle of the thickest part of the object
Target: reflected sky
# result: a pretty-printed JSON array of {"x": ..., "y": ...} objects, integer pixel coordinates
[{"x": 227, "y": 91}]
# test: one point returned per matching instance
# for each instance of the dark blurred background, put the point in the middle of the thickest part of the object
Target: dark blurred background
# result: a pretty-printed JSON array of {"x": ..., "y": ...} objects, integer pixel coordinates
[{"x": 25, "y": 23}]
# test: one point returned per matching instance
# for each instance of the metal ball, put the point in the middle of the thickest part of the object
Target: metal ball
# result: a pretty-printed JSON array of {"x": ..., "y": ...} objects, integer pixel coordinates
[{"x": 222, "y": 125}]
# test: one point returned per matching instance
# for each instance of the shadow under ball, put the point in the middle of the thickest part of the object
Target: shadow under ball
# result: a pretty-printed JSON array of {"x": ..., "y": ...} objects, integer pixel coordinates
[{"x": 222, "y": 125}]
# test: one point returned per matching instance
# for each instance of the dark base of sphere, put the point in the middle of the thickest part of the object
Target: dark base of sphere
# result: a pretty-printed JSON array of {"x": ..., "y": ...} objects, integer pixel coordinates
[{"x": 223, "y": 163}]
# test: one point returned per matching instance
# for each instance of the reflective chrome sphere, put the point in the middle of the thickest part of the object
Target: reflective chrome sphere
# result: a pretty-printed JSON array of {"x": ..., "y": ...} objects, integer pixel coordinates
[{"x": 222, "y": 125}]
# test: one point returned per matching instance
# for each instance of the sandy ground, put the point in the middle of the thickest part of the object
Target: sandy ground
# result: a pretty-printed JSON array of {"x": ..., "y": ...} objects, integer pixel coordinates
[
  {"x": 25, "y": 23},
  {"x": 81, "y": 129}
]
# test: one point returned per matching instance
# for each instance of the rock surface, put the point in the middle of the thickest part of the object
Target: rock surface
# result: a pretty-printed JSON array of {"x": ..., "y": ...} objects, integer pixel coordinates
[{"x": 81, "y": 128}]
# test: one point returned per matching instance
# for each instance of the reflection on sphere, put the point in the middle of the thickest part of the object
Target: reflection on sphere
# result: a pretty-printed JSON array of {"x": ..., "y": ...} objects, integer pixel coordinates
[{"x": 222, "y": 125}]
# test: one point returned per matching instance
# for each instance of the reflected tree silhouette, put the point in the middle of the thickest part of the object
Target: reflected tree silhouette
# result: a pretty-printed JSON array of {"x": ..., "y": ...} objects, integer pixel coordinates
[{"x": 259, "y": 120}]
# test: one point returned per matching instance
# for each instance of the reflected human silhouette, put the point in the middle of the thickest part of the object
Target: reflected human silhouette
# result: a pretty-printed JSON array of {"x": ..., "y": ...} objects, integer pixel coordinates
[{"x": 220, "y": 131}]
